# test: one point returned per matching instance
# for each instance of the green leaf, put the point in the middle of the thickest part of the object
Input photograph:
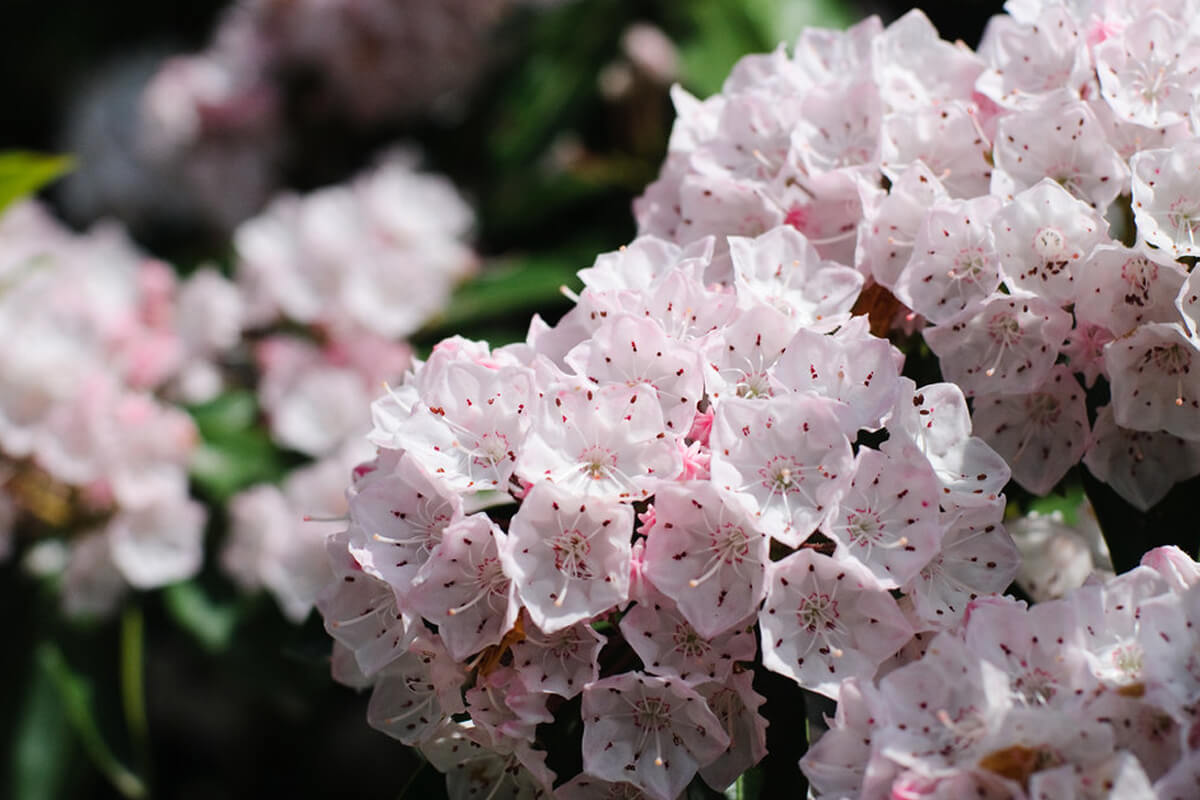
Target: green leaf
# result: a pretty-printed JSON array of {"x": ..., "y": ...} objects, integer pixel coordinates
[
  {"x": 23, "y": 173},
  {"x": 230, "y": 412},
  {"x": 725, "y": 31},
  {"x": 212, "y": 623},
  {"x": 508, "y": 291},
  {"x": 42, "y": 750},
  {"x": 235, "y": 452},
  {"x": 223, "y": 467},
  {"x": 786, "y": 19},
  {"x": 75, "y": 695}
]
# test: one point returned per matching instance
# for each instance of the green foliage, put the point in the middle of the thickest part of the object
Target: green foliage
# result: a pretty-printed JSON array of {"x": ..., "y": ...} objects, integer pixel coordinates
[
  {"x": 235, "y": 451},
  {"x": 565, "y": 47},
  {"x": 724, "y": 32},
  {"x": 41, "y": 753},
  {"x": 22, "y": 173},
  {"x": 212, "y": 623},
  {"x": 501, "y": 298},
  {"x": 75, "y": 696}
]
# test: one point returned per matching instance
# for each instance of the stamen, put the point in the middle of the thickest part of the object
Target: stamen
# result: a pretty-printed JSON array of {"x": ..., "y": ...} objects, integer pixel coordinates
[
  {"x": 840, "y": 237},
  {"x": 315, "y": 518}
]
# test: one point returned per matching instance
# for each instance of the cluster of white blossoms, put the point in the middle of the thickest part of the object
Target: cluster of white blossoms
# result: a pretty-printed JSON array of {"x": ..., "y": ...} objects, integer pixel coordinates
[
  {"x": 92, "y": 457},
  {"x": 1091, "y": 695},
  {"x": 329, "y": 284},
  {"x": 1035, "y": 204},
  {"x": 692, "y": 476}
]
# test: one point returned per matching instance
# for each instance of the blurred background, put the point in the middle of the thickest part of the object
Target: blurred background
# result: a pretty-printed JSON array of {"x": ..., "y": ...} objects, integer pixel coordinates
[{"x": 550, "y": 116}]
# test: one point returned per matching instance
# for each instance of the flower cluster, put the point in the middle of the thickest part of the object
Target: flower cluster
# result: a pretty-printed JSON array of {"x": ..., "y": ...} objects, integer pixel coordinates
[
  {"x": 613, "y": 507},
  {"x": 1034, "y": 203},
  {"x": 1091, "y": 695},
  {"x": 329, "y": 282},
  {"x": 91, "y": 455}
]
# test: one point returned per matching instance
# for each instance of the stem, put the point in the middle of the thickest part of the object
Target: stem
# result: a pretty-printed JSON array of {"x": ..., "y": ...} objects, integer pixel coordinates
[
  {"x": 76, "y": 702},
  {"x": 133, "y": 687}
]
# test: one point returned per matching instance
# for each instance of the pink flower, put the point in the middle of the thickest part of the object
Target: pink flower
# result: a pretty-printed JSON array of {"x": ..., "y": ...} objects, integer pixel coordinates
[
  {"x": 707, "y": 553},
  {"x": 653, "y": 732},
  {"x": 825, "y": 621},
  {"x": 568, "y": 556}
]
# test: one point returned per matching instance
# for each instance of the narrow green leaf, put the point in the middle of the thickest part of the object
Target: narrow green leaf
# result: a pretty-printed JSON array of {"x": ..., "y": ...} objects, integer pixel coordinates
[
  {"x": 23, "y": 173},
  {"x": 504, "y": 289},
  {"x": 212, "y": 623},
  {"x": 42, "y": 749},
  {"x": 75, "y": 694}
]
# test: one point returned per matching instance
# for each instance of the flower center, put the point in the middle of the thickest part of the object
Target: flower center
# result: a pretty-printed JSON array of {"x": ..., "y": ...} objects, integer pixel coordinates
[
  {"x": 1128, "y": 659},
  {"x": 1004, "y": 329},
  {"x": 492, "y": 449},
  {"x": 490, "y": 577},
  {"x": 564, "y": 644},
  {"x": 652, "y": 714},
  {"x": 731, "y": 542},
  {"x": 817, "y": 611},
  {"x": 754, "y": 385},
  {"x": 688, "y": 642},
  {"x": 596, "y": 461},
  {"x": 969, "y": 266},
  {"x": 571, "y": 549},
  {"x": 781, "y": 474},
  {"x": 1043, "y": 409},
  {"x": 1171, "y": 359},
  {"x": 864, "y": 527},
  {"x": 1037, "y": 687}
]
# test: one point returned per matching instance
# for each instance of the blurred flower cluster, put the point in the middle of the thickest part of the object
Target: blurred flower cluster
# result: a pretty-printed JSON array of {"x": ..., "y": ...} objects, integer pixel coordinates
[
  {"x": 330, "y": 283},
  {"x": 91, "y": 455},
  {"x": 204, "y": 140},
  {"x": 95, "y": 442}
]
